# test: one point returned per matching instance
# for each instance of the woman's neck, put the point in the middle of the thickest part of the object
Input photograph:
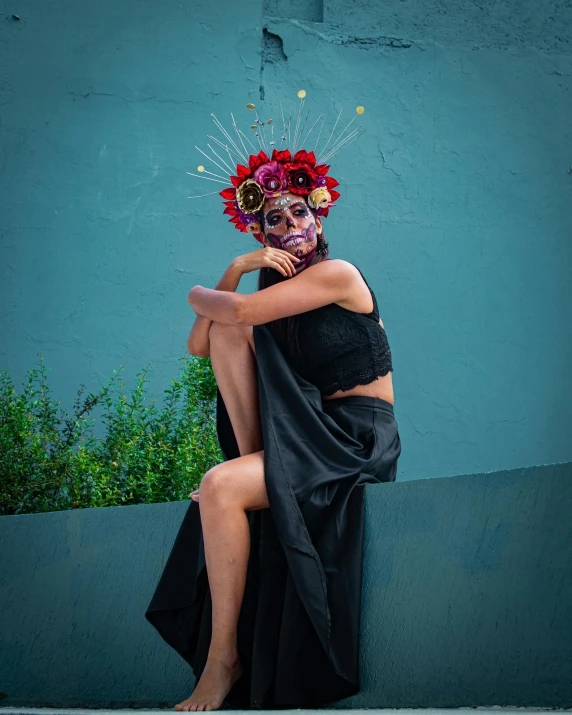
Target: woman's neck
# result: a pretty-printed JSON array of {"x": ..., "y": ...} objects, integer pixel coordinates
[{"x": 306, "y": 260}]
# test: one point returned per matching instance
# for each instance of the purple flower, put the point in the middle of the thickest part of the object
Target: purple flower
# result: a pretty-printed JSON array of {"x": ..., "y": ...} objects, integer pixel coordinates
[
  {"x": 272, "y": 178},
  {"x": 246, "y": 218}
]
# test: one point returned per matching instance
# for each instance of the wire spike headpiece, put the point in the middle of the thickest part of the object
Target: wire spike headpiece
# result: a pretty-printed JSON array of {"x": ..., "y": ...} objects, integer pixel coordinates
[{"x": 279, "y": 165}]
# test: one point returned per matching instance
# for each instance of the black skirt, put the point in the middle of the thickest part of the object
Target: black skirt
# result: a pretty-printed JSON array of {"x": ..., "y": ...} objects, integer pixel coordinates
[{"x": 298, "y": 629}]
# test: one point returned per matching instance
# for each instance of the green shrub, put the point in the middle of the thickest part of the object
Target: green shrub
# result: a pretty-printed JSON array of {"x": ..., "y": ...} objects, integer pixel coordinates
[{"x": 51, "y": 460}]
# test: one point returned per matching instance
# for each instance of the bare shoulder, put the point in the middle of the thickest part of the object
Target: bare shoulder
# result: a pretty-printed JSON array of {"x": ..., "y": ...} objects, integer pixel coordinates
[
  {"x": 358, "y": 296},
  {"x": 335, "y": 269},
  {"x": 351, "y": 291}
]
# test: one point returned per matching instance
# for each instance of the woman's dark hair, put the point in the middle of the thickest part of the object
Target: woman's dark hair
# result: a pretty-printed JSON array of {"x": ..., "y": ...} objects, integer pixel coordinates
[{"x": 286, "y": 329}]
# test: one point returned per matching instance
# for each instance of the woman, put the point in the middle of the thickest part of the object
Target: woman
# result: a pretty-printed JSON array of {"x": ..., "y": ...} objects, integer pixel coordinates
[{"x": 305, "y": 419}]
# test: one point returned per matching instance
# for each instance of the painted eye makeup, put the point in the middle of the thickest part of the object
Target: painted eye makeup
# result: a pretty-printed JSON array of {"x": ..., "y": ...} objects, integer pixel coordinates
[
  {"x": 300, "y": 207},
  {"x": 299, "y": 210}
]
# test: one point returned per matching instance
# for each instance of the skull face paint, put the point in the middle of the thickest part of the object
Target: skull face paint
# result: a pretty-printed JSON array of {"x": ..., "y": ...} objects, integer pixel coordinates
[{"x": 290, "y": 225}]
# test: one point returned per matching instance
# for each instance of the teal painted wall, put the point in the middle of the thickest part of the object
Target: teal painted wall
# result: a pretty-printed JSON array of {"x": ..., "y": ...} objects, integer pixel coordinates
[
  {"x": 456, "y": 203},
  {"x": 466, "y": 599}
]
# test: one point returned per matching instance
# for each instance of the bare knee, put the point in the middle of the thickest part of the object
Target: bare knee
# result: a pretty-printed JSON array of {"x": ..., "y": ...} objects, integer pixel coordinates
[
  {"x": 220, "y": 330},
  {"x": 216, "y": 484}
]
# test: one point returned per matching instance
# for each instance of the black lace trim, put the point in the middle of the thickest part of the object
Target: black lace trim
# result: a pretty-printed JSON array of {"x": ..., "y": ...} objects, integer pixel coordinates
[
  {"x": 359, "y": 367},
  {"x": 363, "y": 378}
]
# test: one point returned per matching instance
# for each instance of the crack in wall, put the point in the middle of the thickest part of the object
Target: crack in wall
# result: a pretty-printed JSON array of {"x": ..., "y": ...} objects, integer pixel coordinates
[
  {"x": 335, "y": 35},
  {"x": 85, "y": 95},
  {"x": 380, "y": 41},
  {"x": 272, "y": 50},
  {"x": 272, "y": 53}
]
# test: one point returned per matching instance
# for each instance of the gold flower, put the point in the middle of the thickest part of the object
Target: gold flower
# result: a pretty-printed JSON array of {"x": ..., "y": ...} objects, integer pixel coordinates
[
  {"x": 253, "y": 227},
  {"x": 319, "y": 198},
  {"x": 250, "y": 196}
]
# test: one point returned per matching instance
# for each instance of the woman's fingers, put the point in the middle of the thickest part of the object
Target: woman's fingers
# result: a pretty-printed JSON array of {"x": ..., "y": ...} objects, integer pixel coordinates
[
  {"x": 286, "y": 265},
  {"x": 280, "y": 267},
  {"x": 291, "y": 265},
  {"x": 195, "y": 494},
  {"x": 283, "y": 262},
  {"x": 290, "y": 259}
]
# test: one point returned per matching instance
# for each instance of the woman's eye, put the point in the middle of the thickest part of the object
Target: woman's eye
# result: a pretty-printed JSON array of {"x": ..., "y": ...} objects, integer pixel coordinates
[{"x": 300, "y": 212}]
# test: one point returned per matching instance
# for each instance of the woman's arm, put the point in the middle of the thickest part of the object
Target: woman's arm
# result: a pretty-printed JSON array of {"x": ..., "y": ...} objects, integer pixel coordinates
[
  {"x": 198, "y": 342},
  {"x": 323, "y": 283}
]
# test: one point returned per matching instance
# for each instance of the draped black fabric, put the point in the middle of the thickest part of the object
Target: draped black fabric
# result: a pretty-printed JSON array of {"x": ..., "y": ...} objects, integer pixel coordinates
[{"x": 298, "y": 629}]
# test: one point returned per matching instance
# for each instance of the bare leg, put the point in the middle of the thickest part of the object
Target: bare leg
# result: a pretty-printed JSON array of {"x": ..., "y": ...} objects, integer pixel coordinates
[
  {"x": 234, "y": 365},
  {"x": 226, "y": 492}
]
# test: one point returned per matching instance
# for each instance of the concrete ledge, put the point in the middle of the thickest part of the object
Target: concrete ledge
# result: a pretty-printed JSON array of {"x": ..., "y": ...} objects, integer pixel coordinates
[{"x": 466, "y": 601}]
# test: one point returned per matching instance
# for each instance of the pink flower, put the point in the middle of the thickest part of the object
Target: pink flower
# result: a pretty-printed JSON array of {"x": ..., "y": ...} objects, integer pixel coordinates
[{"x": 272, "y": 178}]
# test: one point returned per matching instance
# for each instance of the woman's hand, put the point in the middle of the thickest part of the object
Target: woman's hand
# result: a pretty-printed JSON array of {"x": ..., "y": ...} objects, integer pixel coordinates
[
  {"x": 268, "y": 257},
  {"x": 194, "y": 495}
]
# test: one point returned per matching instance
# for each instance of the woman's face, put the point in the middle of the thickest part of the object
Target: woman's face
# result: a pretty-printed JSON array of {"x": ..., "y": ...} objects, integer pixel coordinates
[{"x": 290, "y": 225}]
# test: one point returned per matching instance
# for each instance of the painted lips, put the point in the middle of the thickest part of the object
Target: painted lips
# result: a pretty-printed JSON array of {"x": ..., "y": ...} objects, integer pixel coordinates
[{"x": 293, "y": 241}]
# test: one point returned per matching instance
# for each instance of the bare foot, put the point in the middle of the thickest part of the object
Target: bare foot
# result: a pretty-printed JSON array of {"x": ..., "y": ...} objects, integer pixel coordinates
[{"x": 215, "y": 683}]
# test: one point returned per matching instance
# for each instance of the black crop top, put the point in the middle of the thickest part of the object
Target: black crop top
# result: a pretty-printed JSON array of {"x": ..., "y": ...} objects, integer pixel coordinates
[{"x": 341, "y": 348}]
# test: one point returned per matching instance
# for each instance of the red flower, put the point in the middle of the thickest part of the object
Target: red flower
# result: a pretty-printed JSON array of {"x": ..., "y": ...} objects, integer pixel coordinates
[
  {"x": 283, "y": 156},
  {"x": 228, "y": 193},
  {"x": 305, "y": 157},
  {"x": 243, "y": 172},
  {"x": 256, "y": 160},
  {"x": 301, "y": 178}
]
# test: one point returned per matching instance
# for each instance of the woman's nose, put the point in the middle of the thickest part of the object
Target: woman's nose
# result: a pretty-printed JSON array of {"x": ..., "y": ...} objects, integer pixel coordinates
[{"x": 289, "y": 222}]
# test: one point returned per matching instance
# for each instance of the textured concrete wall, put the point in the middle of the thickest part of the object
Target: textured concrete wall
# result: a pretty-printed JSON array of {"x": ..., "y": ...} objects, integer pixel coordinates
[
  {"x": 455, "y": 203},
  {"x": 466, "y": 598}
]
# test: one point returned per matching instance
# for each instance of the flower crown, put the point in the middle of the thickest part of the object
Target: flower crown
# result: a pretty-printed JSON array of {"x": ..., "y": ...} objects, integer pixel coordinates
[{"x": 259, "y": 176}]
